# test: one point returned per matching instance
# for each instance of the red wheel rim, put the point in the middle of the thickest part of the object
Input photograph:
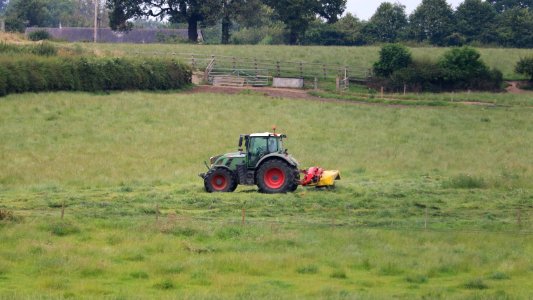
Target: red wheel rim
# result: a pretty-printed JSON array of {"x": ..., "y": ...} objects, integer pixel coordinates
[
  {"x": 219, "y": 182},
  {"x": 274, "y": 178}
]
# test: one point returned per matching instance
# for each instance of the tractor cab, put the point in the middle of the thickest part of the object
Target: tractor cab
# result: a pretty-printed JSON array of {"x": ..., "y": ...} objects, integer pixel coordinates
[{"x": 259, "y": 145}]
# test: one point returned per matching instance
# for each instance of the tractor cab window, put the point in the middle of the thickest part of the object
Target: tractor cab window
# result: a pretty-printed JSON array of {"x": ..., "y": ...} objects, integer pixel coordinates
[
  {"x": 257, "y": 148},
  {"x": 273, "y": 145}
]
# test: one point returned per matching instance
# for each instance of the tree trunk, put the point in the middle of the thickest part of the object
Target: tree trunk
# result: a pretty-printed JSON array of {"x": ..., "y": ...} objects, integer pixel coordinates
[
  {"x": 293, "y": 37},
  {"x": 193, "y": 29},
  {"x": 226, "y": 26}
]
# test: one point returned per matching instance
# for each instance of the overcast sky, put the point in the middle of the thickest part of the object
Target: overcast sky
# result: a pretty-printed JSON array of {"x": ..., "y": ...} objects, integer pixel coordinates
[{"x": 364, "y": 9}]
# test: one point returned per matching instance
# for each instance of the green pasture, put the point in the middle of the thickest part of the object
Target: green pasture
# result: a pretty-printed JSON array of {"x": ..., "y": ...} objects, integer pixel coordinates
[
  {"x": 503, "y": 59},
  {"x": 434, "y": 202}
]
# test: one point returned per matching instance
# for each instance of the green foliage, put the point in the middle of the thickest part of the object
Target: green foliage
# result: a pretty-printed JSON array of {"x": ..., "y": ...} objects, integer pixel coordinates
[
  {"x": 432, "y": 22},
  {"x": 458, "y": 69},
  {"x": 513, "y": 28},
  {"x": 39, "y": 35},
  {"x": 463, "y": 69},
  {"x": 525, "y": 66},
  {"x": 475, "y": 20},
  {"x": 392, "y": 57},
  {"x": 265, "y": 35},
  {"x": 298, "y": 14},
  {"x": 34, "y": 74},
  {"x": 388, "y": 23}
]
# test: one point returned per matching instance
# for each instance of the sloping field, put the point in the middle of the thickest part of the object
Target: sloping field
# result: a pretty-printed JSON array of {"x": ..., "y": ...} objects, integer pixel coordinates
[
  {"x": 434, "y": 202},
  {"x": 503, "y": 59}
]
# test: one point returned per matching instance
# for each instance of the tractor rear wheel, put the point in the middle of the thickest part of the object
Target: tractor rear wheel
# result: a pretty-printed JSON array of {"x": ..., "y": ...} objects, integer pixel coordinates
[
  {"x": 276, "y": 176},
  {"x": 220, "y": 180}
]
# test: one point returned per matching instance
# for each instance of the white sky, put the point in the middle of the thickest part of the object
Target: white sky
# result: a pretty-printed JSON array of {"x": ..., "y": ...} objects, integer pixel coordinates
[{"x": 365, "y": 9}]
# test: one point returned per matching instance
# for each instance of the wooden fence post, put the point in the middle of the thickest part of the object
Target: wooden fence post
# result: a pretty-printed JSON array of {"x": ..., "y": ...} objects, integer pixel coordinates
[
  {"x": 233, "y": 63},
  {"x": 193, "y": 62},
  {"x": 426, "y": 219},
  {"x": 255, "y": 66},
  {"x": 325, "y": 72},
  {"x": 519, "y": 217},
  {"x": 301, "y": 70},
  {"x": 278, "y": 70},
  {"x": 337, "y": 83}
]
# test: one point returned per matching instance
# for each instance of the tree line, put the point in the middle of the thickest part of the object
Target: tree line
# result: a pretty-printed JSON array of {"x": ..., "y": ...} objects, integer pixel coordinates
[{"x": 507, "y": 23}]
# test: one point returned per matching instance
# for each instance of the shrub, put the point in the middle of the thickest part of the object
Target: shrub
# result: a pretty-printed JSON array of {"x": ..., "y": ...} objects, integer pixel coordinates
[
  {"x": 35, "y": 74},
  {"x": 392, "y": 57},
  {"x": 458, "y": 69},
  {"x": 463, "y": 69},
  {"x": 525, "y": 66},
  {"x": 39, "y": 35}
]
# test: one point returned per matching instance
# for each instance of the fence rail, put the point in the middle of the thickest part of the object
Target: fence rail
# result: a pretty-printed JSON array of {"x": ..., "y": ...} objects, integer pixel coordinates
[{"x": 275, "y": 68}]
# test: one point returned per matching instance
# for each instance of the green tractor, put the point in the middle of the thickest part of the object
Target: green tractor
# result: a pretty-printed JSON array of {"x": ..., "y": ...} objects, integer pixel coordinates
[{"x": 265, "y": 163}]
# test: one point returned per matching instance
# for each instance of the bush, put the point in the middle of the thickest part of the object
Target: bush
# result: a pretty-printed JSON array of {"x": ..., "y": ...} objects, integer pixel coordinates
[
  {"x": 458, "y": 69},
  {"x": 39, "y": 35},
  {"x": 525, "y": 66},
  {"x": 35, "y": 74},
  {"x": 392, "y": 57},
  {"x": 464, "y": 69}
]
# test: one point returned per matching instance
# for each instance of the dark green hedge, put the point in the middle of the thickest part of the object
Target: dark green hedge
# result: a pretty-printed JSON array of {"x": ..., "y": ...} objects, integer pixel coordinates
[{"x": 36, "y": 74}]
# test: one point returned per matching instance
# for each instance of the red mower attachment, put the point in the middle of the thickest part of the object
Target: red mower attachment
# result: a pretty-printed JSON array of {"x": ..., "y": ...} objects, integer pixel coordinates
[{"x": 316, "y": 176}]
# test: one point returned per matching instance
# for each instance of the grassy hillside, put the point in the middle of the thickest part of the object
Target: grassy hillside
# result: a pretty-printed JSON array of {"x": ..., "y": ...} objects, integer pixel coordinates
[
  {"x": 359, "y": 57},
  {"x": 434, "y": 202}
]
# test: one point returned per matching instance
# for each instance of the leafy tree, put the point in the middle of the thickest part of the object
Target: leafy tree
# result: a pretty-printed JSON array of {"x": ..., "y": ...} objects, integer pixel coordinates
[
  {"x": 189, "y": 11},
  {"x": 525, "y": 66},
  {"x": 388, "y": 23},
  {"x": 432, "y": 21},
  {"x": 49, "y": 13},
  {"x": 352, "y": 28},
  {"x": 23, "y": 13},
  {"x": 475, "y": 20},
  {"x": 514, "y": 28},
  {"x": 392, "y": 57},
  {"x": 298, "y": 14},
  {"x": 244, "y": 11},
  {"x": 503, "y": 5}
]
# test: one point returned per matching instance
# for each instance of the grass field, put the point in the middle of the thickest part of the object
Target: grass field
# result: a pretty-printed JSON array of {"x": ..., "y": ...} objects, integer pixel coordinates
[
  {"x": 435, "y": 202},
  {"x": 358, "y": 57}
]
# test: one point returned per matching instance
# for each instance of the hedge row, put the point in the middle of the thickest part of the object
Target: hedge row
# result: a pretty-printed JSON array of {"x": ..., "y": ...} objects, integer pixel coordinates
[{"x": 36, "y": 74}]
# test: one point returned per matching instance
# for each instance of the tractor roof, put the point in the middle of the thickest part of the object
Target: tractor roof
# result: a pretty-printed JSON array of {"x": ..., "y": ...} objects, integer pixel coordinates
[{"x": 265, "y": 134}]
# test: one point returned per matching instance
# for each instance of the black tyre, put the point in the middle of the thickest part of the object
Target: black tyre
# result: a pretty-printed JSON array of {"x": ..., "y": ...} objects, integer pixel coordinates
[
  {"x": 276, "y": 176},
  {"x": 220, "y": 180}
]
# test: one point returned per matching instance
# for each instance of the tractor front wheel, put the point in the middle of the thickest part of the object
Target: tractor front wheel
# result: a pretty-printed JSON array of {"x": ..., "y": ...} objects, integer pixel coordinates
[
  {"x": 275, "y": 176},
  {"x": 220, "y": 180}
]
